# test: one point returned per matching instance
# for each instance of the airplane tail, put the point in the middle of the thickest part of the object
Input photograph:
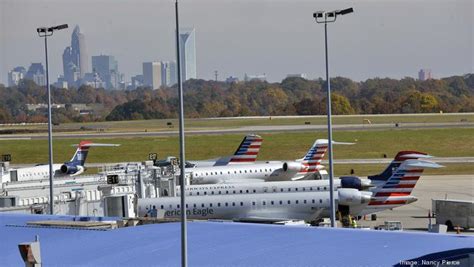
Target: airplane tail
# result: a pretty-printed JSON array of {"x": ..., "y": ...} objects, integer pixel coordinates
[
  {"x": 396, "y": 190},
  {"x": 399, "y": 159},
  {"x": 312, "y": 160},
  {"x": 248, "y": 150},
  {"x": 76, "y": 164}
]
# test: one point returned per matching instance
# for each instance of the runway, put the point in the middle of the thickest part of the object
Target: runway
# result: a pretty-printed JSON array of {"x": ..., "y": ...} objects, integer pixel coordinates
[{"x": 245, "y": 130}]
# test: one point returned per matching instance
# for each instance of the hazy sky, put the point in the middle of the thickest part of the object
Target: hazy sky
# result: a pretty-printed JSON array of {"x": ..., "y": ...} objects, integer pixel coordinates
[{"x": 380, "y": 39}]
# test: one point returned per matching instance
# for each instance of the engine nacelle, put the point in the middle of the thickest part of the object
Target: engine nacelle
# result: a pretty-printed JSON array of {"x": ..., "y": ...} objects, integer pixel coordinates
[
  {"x": 354, "y": 182},
  {"x": 293, "y": 166},
  {"x": 350, "y": 196},
  {"x": 71, "y": 169}
]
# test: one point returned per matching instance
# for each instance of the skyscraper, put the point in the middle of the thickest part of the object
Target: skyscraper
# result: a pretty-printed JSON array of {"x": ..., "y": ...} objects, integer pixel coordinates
[
  {"x": 107, "y": 68},
  {"x": 75, "y": 58},
  {"x": 424, "y": 74},
  {"x": 168, "y": 73},
  {"x": 152, "y": 74},
  {"x": 188, "y": 53},
  {"x": 16, "y": 75},
  {"x": 36, "y": 73}
]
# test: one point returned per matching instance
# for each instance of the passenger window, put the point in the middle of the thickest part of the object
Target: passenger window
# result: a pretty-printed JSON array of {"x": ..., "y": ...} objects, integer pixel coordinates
[
  {"x": 281, "y": 202},
  {"x": 227, "y": 192},
  {"x": 202, "y": 205},
  {"x": 253, "y": 203},
  {"x": 272, "y": 202},
  {"x": 219, "y": 204},
  {"x": 186, "y": 205},
  {"x": 177, "y": 206},
  {"x": 190, "y": 193},
  {"x": 198, "y": 193},
  {"x": 250, "y": 171},
  {"x": 304, "y": 189},
  {"x": 233, "y": 204},
  {"x": 245, "y": 171},
  {"x": 296, "y": 201},
  {"x": 229, "y": 172},
  {"x": 254, "y": 191},
  {"x": 210, "y": 205},
  {"x": 281, "y": 189},
  {"x": 289, "y": 202},
  {"x": 162, "y": 207},
  {"x": 234, "y": 191},
  {"x": 247, "y": 190},
  {"x": 313, "y": 201},
  {"x": 264, "y": 203},
  {"x": 219, "y": 192},
  {"x": 289, "y": 189},
  {"x": 324, "y": 188},
  {"x": 296, "y": 189},
  {"x": 241, "y": 191},
  {"x": 226, "y": 204},
  {"x": 194, "y": 205},
  {"x": 212, "y": 192},
  {"x": 320, "y": 201},
  {"x": 318, "y": 188},
  {"x": 304, "y": 201},
  {"x": 205, "y": 193},
  {"x": 241, "y": 203},
  {"x": 221, "y": 172}
]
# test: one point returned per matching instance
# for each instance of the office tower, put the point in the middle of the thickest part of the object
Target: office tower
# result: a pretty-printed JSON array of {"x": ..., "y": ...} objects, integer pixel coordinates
[
  {"x": 187, "y": 44},
  {"x": 107, "y": 68},
  {"x": 152, "y": 74},
  {"x": 36, "y": 73},
  {"x": 168, "y": 73},
  {"x": 424, "y": 74},
  {"x": 16, "y": 75},
  {"x": 75, "y": 58}
]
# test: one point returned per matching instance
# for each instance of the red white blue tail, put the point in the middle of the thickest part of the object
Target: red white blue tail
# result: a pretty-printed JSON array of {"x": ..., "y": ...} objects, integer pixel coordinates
[
  {"x": 312, "y": 160},
  {"x": 396, "y": 189},
  {"x": 248, "y": 150},
  {"x": 399, "y": 159},
  {"x": 76, "y": 165}
]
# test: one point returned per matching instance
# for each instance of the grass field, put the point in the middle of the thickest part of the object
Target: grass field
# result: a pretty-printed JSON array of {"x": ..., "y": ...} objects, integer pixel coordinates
[
  {"x": 193, "y": 124},
  {"x": 456, "y": 142}
]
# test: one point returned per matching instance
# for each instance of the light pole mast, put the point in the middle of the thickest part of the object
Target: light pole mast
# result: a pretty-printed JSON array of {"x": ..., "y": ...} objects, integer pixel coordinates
[
  {"x": 328, "y": 17},
  {"x": 182, "y": 162},
  {"x": 46, "y": 32}
]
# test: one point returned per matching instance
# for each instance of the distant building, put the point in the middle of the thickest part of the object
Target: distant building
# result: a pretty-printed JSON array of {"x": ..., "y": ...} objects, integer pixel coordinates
[
  {"x": 152, "y": 74},
  {"x": 232, "y": 79},
  {"x": 107, "y": 68},
  {"x": 187, "y": 39},
  {"x": 137, "y": 81},
  {"x": 424, "y": 74},
  {"x": 300, "y": 75},
  {"x": 36, "y": 73},
  {"x": 16, "y": 75},
  {"x": 93, "y": 80},
  {"x": 61, "y": 83},
  {"x": 252, "y": 78},
  {"x": 75, "y": 58},
  {"x": 168, "y": 73}
]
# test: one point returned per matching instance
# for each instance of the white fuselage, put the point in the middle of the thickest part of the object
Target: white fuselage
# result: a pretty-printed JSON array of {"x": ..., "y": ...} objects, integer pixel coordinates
[
  {"x": 29, "y": 173},
  {"x": 259, "y": 187},
  {"x": 239, "y": 173},
  {"x": 308, "y": 206}
]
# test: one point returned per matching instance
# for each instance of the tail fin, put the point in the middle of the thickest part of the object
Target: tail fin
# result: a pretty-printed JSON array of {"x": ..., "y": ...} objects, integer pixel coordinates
[
  {"x": 399, "y": 159},
  {"x": 312, "y": 159},
  {"x": 248, "y": 150},
  {"x": 80, "y": 156},
  {"x": 397, "y": 188}
]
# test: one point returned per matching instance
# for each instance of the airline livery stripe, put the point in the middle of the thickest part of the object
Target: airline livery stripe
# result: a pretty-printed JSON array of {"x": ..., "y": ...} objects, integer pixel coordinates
[
  {"x": 389, "y": 202},
  {"x": 391, "y": 194},
  {"x": 400, "y": 186}
]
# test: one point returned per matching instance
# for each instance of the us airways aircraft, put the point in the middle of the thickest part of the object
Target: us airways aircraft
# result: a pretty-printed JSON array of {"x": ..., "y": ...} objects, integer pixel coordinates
[
  {"x": 246, "y": 153},
  {"x": 268, "y": 171},
  {"x": 73, "y": 167}
]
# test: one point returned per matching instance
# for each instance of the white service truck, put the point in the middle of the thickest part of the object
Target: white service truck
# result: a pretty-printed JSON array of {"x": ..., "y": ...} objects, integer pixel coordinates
[{"x": 454, "y": 213}]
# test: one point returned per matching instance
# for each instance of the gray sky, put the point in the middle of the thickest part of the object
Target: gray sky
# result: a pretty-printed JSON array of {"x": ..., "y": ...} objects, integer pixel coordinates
[{"x": 381, "y": 39}]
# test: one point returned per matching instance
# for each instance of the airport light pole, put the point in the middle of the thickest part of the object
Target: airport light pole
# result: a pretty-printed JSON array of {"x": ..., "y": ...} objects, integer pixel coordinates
[
  {"x": 46, "y": 32},
  {"x": 328, "y": 17},
  {"x": 182, "y": 162}
]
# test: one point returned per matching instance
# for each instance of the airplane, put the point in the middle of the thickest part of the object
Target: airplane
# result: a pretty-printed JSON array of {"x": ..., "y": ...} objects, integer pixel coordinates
[
  {"x": 246, "y": 153},
  {"x": 73, "y": 167},
  {"x": 302, "y": 185},
  {"x": 299, "y": 169},
  {"x": 297, "y": 205}
]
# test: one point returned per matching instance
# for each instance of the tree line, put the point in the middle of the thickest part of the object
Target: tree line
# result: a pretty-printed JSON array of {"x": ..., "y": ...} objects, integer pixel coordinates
[{"x": 292, "y": 96}]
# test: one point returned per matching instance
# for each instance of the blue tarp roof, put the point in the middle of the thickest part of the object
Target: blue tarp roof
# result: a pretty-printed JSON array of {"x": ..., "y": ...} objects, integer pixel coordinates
[{"x": 218, "y": 244}]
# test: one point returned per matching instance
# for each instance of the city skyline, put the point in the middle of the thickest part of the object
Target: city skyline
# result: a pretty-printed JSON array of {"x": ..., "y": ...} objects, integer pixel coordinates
[{"x": 272, "y": 37}]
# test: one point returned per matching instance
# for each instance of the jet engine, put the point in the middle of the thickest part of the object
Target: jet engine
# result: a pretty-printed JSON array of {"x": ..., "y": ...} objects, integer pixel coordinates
[
  {"x": 354, "y": 182},
  {"x": 71, "y": 169},
  {"x": 293, "y": 166},
  {"x": 350, "y": 196}
]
